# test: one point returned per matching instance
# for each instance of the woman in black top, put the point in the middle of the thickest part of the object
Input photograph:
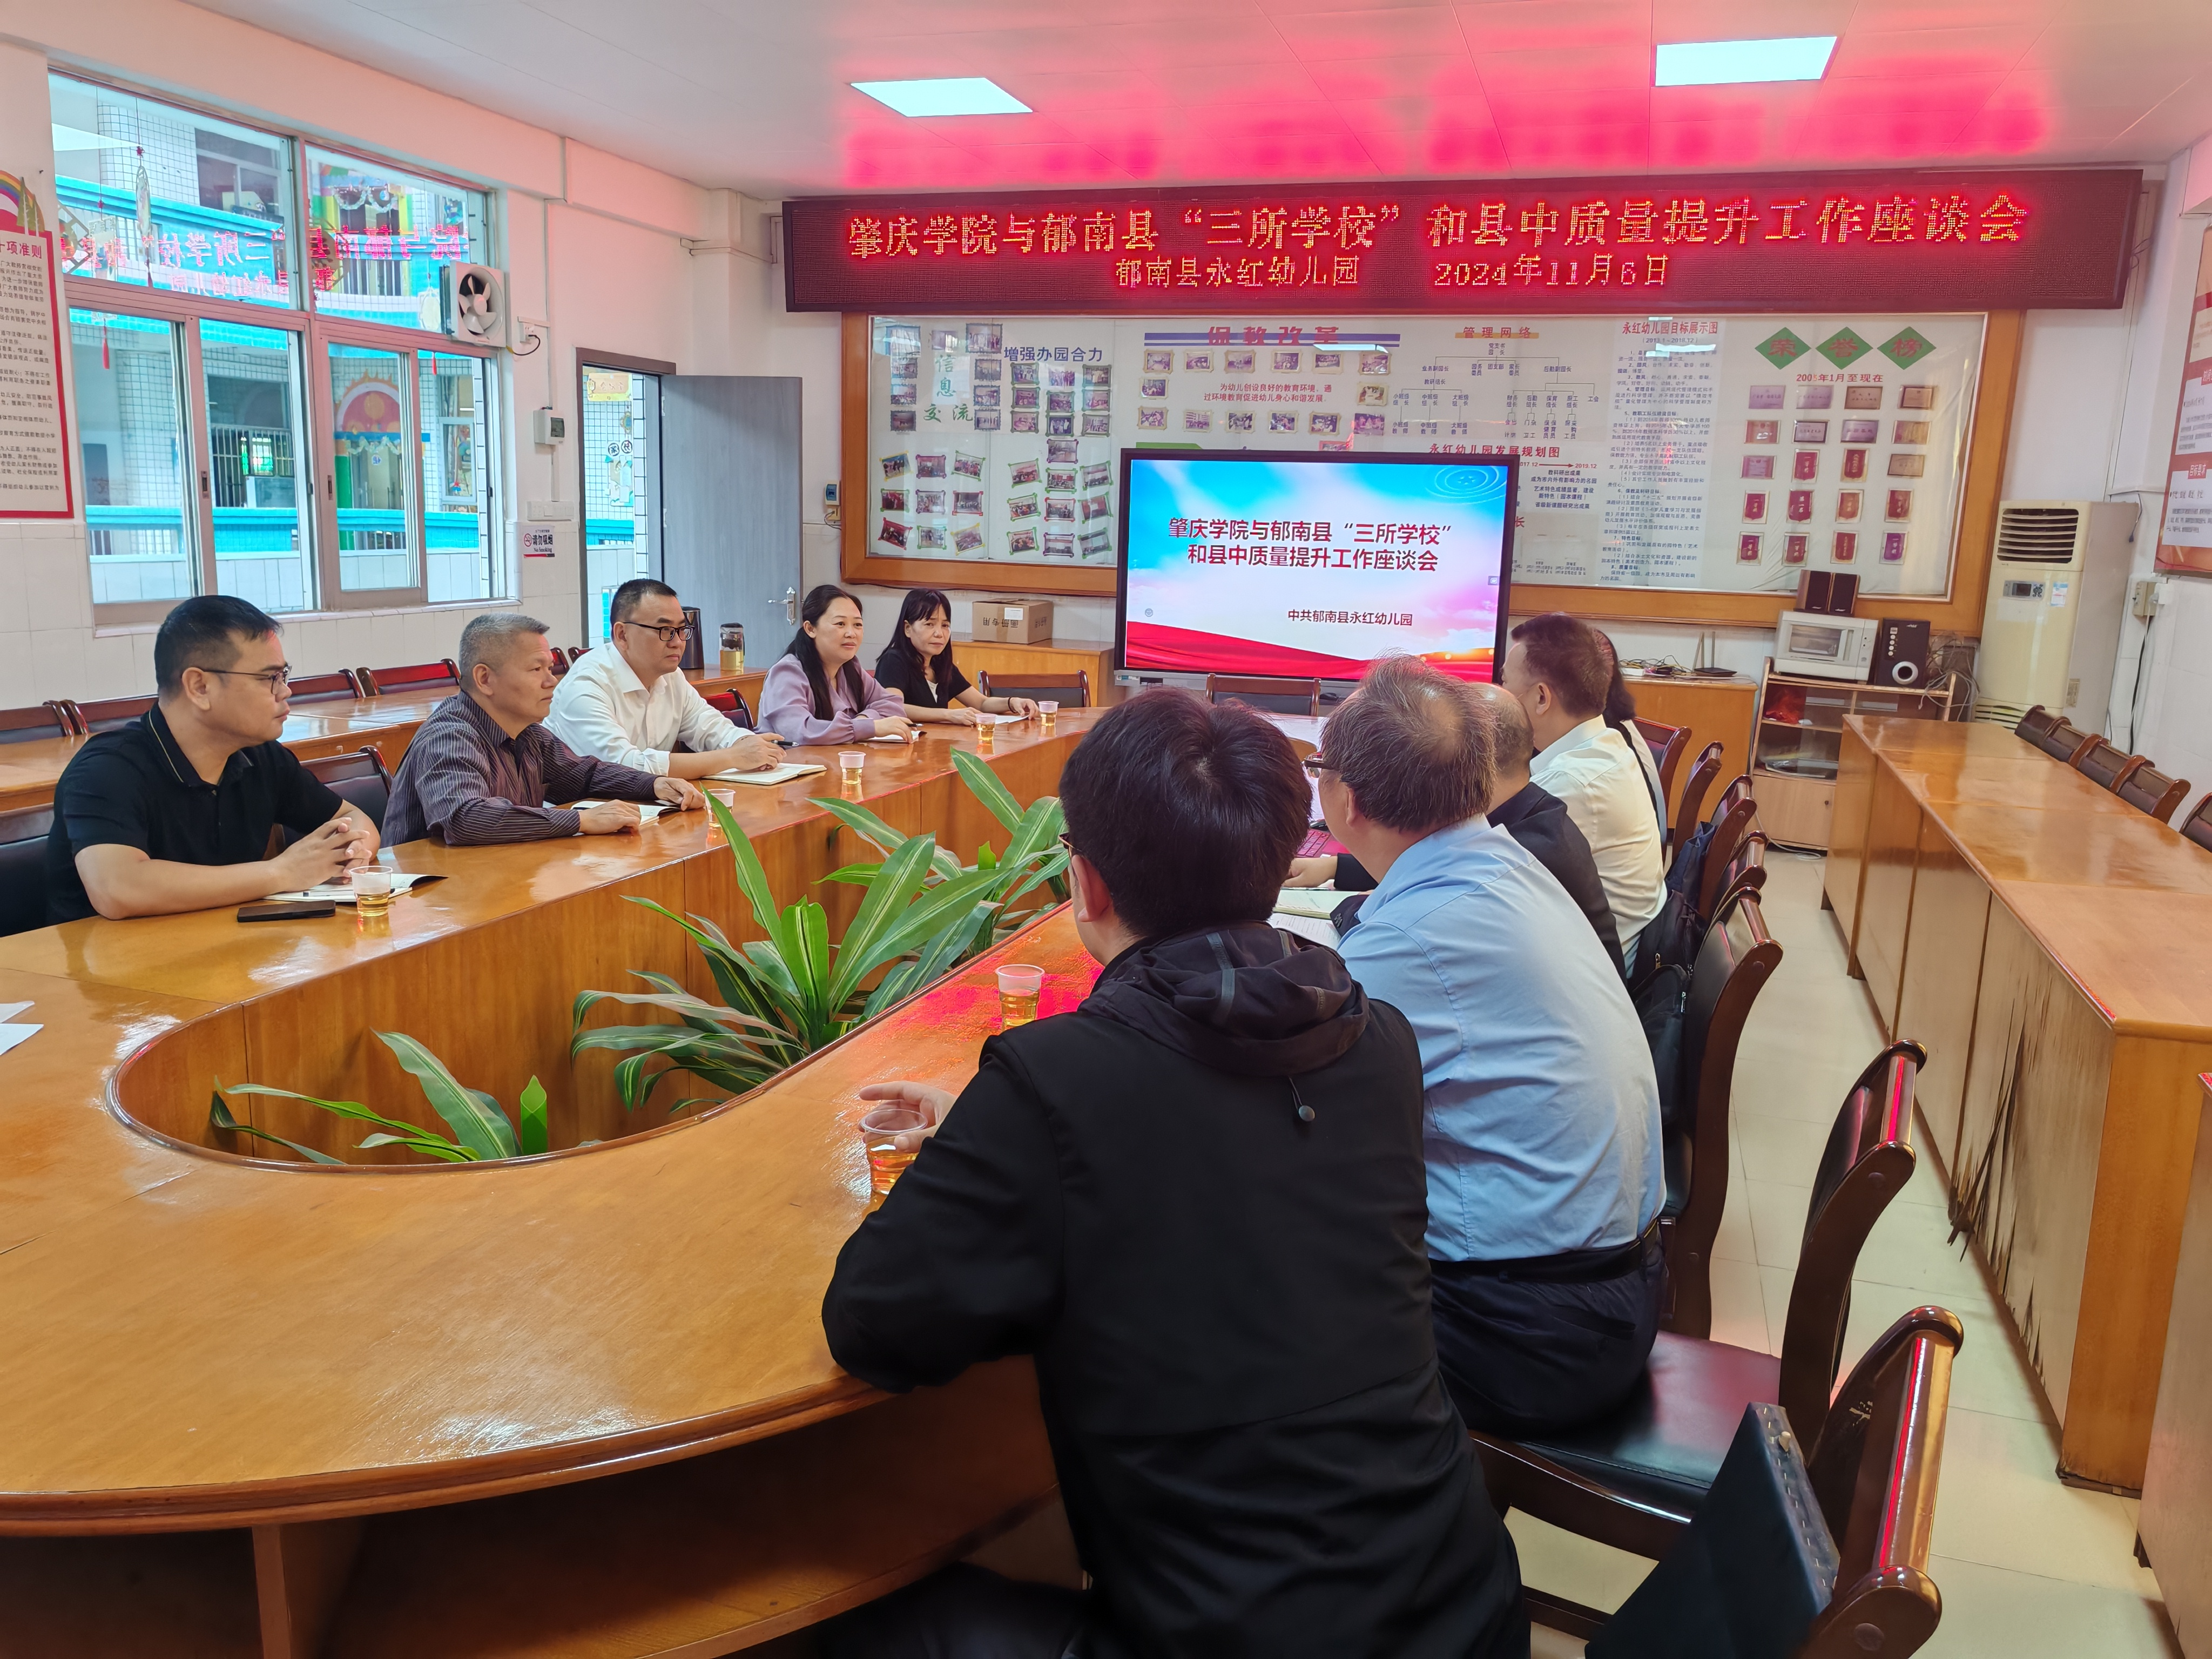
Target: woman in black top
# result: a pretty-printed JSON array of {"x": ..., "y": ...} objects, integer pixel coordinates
[{"x": 918, "y": 664}]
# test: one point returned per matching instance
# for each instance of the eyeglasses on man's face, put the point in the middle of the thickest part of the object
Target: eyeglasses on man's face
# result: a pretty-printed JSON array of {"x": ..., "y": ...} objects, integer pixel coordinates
[
  {"x": 275, "y": 679},
  {"x": 1315, "y": 766},
  {"x": 671, "y": 633}
]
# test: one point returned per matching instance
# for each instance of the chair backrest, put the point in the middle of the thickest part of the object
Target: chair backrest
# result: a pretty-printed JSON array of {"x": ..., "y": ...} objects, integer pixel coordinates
[
  {"x": 1873, "y": 1468},
  {"x": 23, "y": 867},
  {"x": 1667, "y": 744},
  {"x": 359, "y": 778},
  {"x": 1052, "y": 688},
  {"x": 1867, "y": 1160},
  {"x": 2063, "y": 740},
  {"x": 1282, "y": 696},
  {"x": 111, "y": 715},
  {"x": 1739, "y": 790},
  {"x": 1734, "y": 962},
  {"x": 2197, "y": 826},
  {"x": 2035, "y": 723},
  {"x": 1689, "y": 815},
  {"x": 2107, "y": 763},
  {"x": 2149, "y": 790},
  {"x": 41, "y": 720},
  {"x": 1746, "y": 873},
  {"x": 1728, "y": 832},
  {"x": 733, "y": 703},
  {"x": 325, "y": 688},
  {"x": 414, "y": 676},
  {"x": 1752, "y": 1572},
  {"x": 562, "y": 659}
]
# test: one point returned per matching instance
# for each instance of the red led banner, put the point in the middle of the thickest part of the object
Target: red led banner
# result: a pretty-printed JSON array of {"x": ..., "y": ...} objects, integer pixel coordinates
[{"x": 1899, "y": 240}]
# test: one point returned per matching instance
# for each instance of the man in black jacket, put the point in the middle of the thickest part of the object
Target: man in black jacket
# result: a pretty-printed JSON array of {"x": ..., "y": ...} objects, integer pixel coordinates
[
  {"x": 1528, "y": 812},
  {"x": 1199, "y": 1200}
]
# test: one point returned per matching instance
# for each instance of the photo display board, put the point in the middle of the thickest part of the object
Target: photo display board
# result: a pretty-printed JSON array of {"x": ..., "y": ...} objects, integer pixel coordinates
[
  {"x": 2184, "y": 537},
  {"x": 1717, "y": 453}
]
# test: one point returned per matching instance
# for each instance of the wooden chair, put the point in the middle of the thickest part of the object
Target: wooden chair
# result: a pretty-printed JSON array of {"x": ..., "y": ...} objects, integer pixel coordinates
[
  {"x": 109, "y": 715},
  {"x": 1053, "y": 688},
  {"x": 1734, "y": 964},
  {"x": 325, "y": 688},
  {"x": 1687, "y": 815},
  {"x": 359, "y": 778},
  {"x": 1835, "y": 1542},
  {"x": 1739, "y": 790},
  {"x": 1634, "y": 1478},
  {"x": 2107, "y": 763},
  {"x": 1667, "y": 744},
  {"x": 23, "y": 867},
  {"x": 1730, "y": 828},
  {"x": 1746, "y": 873},
  {"x": 2063, "y": 740},
  {"x": 41, "y": 720},
  {"x": 2149, "y": 790},
  {"x": 1275, "y": 696},
  {"x": 2036, "y": 723},
  {"x": 562, "y": 659},
  {"x": 2197, "y": 826},
  {"x": 417, "y": 677},
  {"x": 733, "y": 703}
]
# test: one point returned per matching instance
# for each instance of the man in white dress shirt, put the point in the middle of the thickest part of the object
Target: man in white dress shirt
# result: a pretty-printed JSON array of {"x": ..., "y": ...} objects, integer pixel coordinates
[
  {"x": 1561, "y": 669},
  {"x": 626, "y": 702}
]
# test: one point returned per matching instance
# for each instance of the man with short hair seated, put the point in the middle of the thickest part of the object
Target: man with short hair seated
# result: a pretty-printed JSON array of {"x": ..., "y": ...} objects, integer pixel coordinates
[
  {"x": 1542, "y": 1121},
  {"x": 1198, "y": 1200},
  {"x": 174, "y": 812},
  {"x": 1522, "y": 808},
  {"x": 482, "y": 767},
  {"x": 628, "y": 700},
  {"x": 1561, "y": 669}
]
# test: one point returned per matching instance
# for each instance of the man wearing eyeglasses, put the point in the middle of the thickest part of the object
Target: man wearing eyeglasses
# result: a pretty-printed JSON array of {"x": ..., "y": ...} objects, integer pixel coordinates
[
  {"x": 174, "y": 811},
  {"x": 626, "y": 702}
]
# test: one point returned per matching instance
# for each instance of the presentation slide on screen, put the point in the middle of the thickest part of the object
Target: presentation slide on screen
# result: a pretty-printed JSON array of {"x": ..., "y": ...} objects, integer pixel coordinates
[{"x": 1240, "y": 565}]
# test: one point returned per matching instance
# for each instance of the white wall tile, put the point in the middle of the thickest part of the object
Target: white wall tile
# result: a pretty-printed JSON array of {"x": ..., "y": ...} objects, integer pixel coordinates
[
  {"x": 111, "y": 669},
  {"x": 57, "y": 662}
]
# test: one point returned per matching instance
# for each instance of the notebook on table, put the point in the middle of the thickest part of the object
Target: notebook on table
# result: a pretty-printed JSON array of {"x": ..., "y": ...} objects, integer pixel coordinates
[{"x": 775, "y": 774}]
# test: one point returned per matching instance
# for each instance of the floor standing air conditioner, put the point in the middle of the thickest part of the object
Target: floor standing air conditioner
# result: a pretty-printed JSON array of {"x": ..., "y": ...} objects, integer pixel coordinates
[{"x": 2052, "y": 627}]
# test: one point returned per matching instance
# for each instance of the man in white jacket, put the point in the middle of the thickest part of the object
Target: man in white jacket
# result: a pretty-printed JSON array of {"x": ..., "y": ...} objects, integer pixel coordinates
[
  {"x": 1561, "y": 668},
  {"x": 626, "y": 702}
]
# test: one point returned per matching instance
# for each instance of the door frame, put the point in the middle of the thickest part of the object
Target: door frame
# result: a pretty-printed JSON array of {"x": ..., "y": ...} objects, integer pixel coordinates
[{"x": 588, "y": 357}]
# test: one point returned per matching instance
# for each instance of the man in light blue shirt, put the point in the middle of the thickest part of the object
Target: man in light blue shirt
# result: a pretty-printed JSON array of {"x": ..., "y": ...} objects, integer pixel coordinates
[{"x": 1541, "y": 1119}]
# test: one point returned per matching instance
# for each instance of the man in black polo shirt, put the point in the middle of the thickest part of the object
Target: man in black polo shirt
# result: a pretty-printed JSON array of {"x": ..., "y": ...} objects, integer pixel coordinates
[{"x": 174, "y": 811}]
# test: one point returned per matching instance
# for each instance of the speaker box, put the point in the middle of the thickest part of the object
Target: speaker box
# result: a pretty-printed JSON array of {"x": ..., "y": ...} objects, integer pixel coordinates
[
  {"x": 1827, "y": 593},
  {"x": 1901, "y": 654}
]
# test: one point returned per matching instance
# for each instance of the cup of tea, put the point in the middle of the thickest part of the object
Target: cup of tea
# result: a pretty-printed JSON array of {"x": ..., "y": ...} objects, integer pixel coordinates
[
  {"x": 850, "y": 762},
  {"x": 879, "y": 1132},
  {"x": 1019, "y": 985},
  {"x": 372, "y": 892},
  {"x": 1046, "y": 712}
]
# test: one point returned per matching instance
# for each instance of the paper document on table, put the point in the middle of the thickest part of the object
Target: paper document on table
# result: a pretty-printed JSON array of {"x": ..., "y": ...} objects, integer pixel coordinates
[
  {"x": 783, "y": 774},
  {"x": 12, "y": 1034},
  {"x": 9, "y": 1010},
  {"x": 647, "y": 810},
  {"x": 342, "y": 891},
  {"x": 1312, "y": 927},
  {"x": 1308, "y": 902}
]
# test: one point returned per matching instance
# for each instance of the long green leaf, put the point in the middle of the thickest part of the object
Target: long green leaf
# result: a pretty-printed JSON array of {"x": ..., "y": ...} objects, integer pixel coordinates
[
  {"x": 218, "y": 1115},
  {"x": 873, "y": 829},
  {"x": 753, "y": 880},
  {"x": 926, "y": 915},
  {"x": 855, "y": 875},
  {"x": 1039, "y": 830},
  {"x": 482, "y": 1130},
  {"x": 352, "y": 1109},
  {"x": 983, "y": 783},
  {"x": 531, "y": 1132},
  {"x": 429, "y": 1145},
  {"x": 887, "y": 897}
]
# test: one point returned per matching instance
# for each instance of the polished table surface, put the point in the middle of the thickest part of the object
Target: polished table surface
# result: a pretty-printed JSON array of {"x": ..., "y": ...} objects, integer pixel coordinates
[
  {"x": 2047, "y": 943},
  {"x": 200, "y": 1339}
]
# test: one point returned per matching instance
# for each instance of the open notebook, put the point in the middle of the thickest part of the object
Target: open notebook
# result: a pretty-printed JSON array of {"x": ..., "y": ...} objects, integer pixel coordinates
[
  {"x": 341, "y": 892},
  {"x": 1308, "y": 902},
  {"x": 775, "y": 774}
]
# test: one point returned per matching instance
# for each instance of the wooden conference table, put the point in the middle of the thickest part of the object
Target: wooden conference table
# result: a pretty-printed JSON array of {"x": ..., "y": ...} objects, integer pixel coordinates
[
  {"x": 573, "y": 1405},
  {"x": 2046, "y": 942},
  {"x": 30, "y": 771}
]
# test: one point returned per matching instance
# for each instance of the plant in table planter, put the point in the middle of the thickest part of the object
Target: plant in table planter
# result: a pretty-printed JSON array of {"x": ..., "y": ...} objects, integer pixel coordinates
[
  {"x": 481, "y": 1131},
  {"x": 787, "y": 995}
]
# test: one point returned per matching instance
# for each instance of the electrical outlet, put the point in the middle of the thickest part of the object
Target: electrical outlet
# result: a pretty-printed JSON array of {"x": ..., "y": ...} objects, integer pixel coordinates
[
  {"x": 2073, "y": 693},
  {"x": 2143, "y": 598}
]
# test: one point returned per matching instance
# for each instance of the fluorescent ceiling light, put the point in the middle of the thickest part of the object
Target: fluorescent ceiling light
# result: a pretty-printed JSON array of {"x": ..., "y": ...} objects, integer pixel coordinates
[
  {"x": 968, "y": 96},
  {"x": 1731, "y": 63}
]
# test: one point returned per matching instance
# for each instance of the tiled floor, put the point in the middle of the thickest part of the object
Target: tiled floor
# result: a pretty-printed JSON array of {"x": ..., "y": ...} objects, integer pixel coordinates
[{"x": 2028, "y": 1567}]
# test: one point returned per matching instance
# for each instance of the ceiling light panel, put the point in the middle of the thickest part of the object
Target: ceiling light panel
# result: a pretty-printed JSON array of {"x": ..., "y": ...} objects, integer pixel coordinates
[
  {"x": 1736, "y": 63},
  {"x": 962, "y": 95}
]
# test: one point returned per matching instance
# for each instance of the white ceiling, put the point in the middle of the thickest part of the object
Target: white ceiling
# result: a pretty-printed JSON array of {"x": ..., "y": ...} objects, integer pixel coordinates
[{"x": 752, "y": 95}]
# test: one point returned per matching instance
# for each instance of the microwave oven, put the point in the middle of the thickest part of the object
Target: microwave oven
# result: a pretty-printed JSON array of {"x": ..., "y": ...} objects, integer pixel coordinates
[{"x": 1828, "y": 647}]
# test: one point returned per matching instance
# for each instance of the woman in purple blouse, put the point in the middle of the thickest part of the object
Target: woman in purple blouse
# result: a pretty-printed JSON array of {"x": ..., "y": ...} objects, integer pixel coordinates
[{"x": 816, "y": 692}]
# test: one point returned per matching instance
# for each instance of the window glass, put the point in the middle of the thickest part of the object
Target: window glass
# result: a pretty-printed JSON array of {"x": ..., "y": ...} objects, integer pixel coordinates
[
  {"x": 263, "y": 539},
  {"x": 168, "y": 198},
  {"x": 135, "y": 456},
  {"x": 369, "y": 470},
  {"x": 622, "y": 472},
  {"x": 377, "y": 239},
  {"x": 457, "y": 517}
]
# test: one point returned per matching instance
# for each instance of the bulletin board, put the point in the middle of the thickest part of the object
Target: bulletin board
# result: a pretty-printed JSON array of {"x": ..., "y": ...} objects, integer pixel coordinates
[
  {"x": 2184, "y": 537},
  {"x": 1688, "y": 467}
]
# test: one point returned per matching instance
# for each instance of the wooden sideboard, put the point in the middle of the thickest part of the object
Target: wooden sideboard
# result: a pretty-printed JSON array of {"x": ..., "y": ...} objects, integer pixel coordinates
[
  {"x": 1044, "y": 657},
  {"x": 1715, "y": 711},
  {"x": 2045, "y": 942},
  {"x": 578, "y": 1404},
  {"x": 2175, "y": 1522}
]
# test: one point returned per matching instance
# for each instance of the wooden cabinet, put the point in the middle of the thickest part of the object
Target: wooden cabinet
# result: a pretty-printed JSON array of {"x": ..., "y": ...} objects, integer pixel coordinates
[
  {"x": 1046, "y": 657},
  {"x": 1797, "y": 742},
  {"x": 1715, "y": 710}
]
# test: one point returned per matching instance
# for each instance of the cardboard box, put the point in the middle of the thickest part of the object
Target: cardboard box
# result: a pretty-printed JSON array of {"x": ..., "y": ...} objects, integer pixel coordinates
[{"x": 1011, "y": 621}]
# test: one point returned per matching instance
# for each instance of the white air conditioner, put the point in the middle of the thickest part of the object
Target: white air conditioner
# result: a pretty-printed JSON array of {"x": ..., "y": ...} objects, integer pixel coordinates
[
  {"x": 472, "y": 304},
  {"x": 2052, "y": 627}
]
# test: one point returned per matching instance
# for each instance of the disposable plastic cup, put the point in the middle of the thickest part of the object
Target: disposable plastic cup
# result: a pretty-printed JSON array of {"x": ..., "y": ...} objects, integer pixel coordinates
[
  {"x": 1019, "y": 987},
  {"x": 850, "y": 761},
  {"x": 878, "y": 1132},
  {"x": 372, "y": 893},
  {"x": 1046, "y": 711}
]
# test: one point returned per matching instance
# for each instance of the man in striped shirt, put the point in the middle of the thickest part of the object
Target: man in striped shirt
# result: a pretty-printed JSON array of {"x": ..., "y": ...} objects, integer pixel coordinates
[{"x": 482, "y": 767}]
